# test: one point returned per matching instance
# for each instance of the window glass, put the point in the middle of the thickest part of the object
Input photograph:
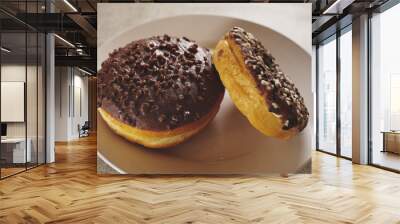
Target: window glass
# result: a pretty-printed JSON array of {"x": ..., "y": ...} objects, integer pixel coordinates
[
  {"x": 14, "y": 153},
  {"x": 23, "y": 90},
  {"x": 385, "y": 88},
  {"x": 346, "y": 94},
  {"x": 327, "y": 96}
]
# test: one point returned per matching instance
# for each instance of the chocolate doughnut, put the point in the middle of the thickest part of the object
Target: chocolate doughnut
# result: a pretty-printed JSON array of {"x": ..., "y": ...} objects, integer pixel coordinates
[
  {"x": 258, "y": 87},
  {"x": 159, "y": 91}
]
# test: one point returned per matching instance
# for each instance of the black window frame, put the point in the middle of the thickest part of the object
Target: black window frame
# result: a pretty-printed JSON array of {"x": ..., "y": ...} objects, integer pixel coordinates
[{"x": 334, "y": 37}]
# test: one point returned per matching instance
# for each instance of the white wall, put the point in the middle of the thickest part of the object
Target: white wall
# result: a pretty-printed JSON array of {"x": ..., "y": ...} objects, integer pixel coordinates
[
  {"x": 81, "y": 102},
  {"x": 16, "y": 73},
  {"x": 71, "y": 94},
  {"x": 61, "y": 103}
]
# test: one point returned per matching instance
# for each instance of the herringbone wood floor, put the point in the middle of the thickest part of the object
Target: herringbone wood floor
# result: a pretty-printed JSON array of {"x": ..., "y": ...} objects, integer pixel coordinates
[{"x": 69, "y": 191}]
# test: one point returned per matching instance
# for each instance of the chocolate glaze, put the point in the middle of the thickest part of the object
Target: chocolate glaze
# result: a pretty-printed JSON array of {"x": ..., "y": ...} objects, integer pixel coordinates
[
  {"x": 282, "y": 97},
  {"x": 159, "y": 83}
]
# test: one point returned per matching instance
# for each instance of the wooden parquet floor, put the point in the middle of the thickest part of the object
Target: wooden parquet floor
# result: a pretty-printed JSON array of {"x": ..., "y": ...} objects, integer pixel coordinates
[{"x": 70, "y": 191}]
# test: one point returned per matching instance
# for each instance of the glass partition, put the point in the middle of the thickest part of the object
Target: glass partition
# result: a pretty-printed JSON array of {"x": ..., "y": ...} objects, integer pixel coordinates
[
  {"x": 14, "y": 153},
  {"x": 22, "y": 77},
  {"x": 41, "y": 97},
  {"x": 32, "y": 96}
]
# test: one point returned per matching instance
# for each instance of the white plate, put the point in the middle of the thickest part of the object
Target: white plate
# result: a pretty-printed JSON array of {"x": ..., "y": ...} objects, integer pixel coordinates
[{"x": 229, "y": 144}]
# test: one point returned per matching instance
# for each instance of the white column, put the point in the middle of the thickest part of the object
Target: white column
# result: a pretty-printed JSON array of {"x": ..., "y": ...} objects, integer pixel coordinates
[
  {"x": 63, "y": 99},
  {"x": 50, "y": 100},
  {"x": 50, "y": 92},
  {"x": 360, "y": 90}
]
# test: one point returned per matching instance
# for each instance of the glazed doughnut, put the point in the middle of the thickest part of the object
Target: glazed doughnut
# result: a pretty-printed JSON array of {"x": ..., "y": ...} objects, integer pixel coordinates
[
  {"x": 258, "y": 87},
  {"x": 159, "y": 91}
]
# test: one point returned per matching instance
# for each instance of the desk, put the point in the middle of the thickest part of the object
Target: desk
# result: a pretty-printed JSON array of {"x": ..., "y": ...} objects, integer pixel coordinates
[
  {"x": 391, "y": 141},
  {"x": 13, "y": 150}
]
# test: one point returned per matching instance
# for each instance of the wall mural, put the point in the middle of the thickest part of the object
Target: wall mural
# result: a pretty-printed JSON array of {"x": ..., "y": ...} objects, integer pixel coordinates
[{"x": 204, "y": 89}]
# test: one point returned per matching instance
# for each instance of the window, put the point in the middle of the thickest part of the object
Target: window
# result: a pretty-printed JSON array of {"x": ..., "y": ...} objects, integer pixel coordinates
[
  {"x": 346, "y": 93},
  {"x": 334, "y": 96},
  {"x": 385, "y": 89},
  {"x": 326, "y": 119}
]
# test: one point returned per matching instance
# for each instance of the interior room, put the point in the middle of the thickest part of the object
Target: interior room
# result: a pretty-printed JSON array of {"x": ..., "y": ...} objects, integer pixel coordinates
[
  {"x": 49, "y": 151},
  {"x": 22, "y": 103}
]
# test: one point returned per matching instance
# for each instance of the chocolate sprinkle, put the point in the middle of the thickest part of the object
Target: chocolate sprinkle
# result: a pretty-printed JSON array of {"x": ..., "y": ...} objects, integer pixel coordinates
[
  {"x": 282, "y": 97},
  {"x": 159, "y": 83}
]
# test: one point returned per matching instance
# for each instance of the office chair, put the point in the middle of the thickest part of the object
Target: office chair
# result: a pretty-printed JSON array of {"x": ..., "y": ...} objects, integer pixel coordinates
[{"x": 84, "y": 130}]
